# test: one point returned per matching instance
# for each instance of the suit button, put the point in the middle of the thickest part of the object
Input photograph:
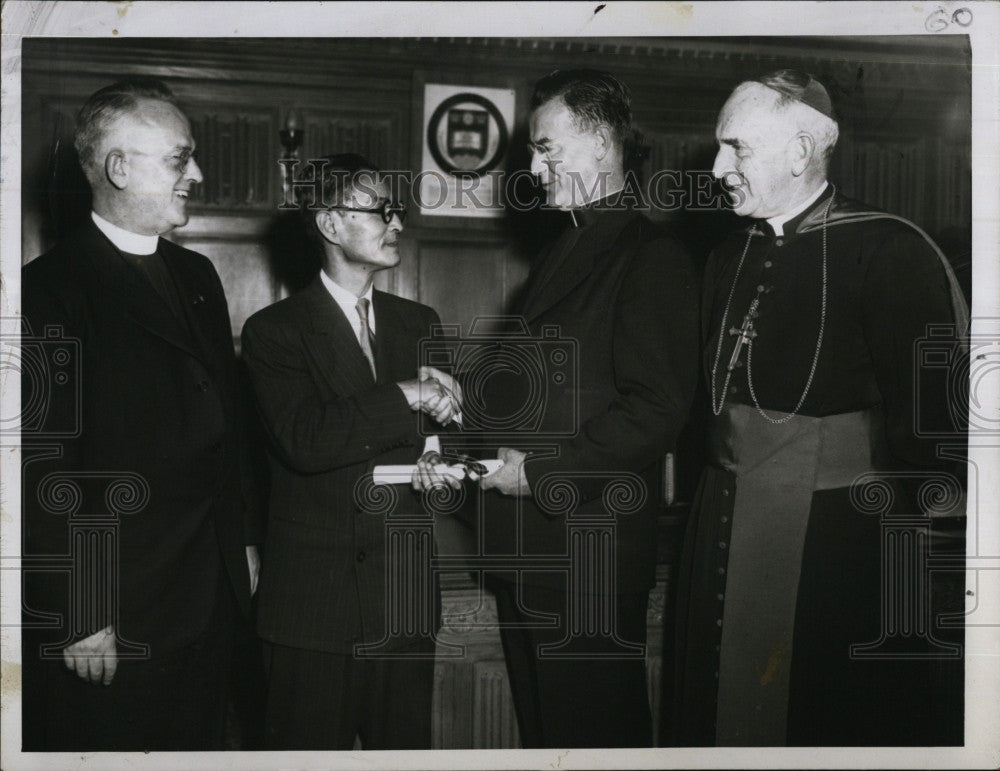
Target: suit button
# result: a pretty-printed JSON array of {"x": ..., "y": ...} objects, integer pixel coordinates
[{"x": 361, "y": 555}]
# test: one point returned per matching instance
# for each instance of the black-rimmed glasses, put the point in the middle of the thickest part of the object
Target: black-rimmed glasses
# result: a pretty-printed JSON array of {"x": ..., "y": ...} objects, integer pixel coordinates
[{"x": 387, "y": 210}]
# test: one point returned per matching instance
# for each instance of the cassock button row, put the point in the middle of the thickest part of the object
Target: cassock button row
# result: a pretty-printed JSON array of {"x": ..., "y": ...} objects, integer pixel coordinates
[
  {"x": 760, "y": 287},
  {"x": 722, "y": 571},
  {"x": 722, "y": 544},
  {"x": 718, "y": 622},
  {"x": 767, "y": 263},
  {"x": 725, "y": 519}
]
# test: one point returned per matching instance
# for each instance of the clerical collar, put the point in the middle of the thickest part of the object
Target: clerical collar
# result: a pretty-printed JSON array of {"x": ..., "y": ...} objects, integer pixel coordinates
[
  {"x": 589, "y": 214},
  {"x": 348, "y": 301},
  {"x": 125, "y": 240},
  {"x": 781, "y": 220}
]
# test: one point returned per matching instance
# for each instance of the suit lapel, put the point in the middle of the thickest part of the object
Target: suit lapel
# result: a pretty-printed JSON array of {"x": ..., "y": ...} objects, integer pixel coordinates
[
  {"x": 558, "y": 280},
  {"x": 332, "y": 342},
  {"x": 131, "y": 292}
]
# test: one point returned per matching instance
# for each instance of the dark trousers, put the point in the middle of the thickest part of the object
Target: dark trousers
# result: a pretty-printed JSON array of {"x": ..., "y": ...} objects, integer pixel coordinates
[
  {"x": 172, "y": 701},
  {"x": 320, "y": 701},
  {"x": 590, "y": 692}
]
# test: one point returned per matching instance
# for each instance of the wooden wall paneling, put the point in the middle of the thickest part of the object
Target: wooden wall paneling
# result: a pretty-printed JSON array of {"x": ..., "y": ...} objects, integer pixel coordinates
[
  {"x": 375, "y": 135},
  {"x": 474, "y": 685},
  {"x": 237, "y": 152},
  {"x": 494, "y": 721},
  {"x": 245, "y": 271},
  {"x": 473, "y": 706},
  {"x": 237, "y": 247},
  {"x": 466, "y": 278},
  {"x": 451, "y": 724},
  {"x": 54, "y": 189},
  {"x": 657, "y": 626},
  {"x": 953, "y": 200}
]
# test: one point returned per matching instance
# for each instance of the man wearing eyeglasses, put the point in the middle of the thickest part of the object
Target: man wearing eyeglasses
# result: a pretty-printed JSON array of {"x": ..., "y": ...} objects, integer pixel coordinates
[
  {"x": 335, "y": 371},
  {"x": 162, "y": 529}
]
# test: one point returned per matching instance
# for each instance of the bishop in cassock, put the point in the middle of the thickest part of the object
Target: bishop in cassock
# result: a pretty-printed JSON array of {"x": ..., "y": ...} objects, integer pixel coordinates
[{"x": 812, "y": 321}]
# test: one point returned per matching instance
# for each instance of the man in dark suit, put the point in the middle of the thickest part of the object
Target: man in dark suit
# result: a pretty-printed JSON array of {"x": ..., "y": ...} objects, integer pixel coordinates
[
  {"x": 151, "y": 479},
  {"x": 348, "y": 612},
  {"x": 571, "y": 525}
]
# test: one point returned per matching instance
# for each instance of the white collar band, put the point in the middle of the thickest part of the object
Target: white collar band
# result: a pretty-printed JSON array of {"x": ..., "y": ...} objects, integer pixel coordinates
[
  {"x": 127, "y": 241},
  {"x": 779, "y": 221}
]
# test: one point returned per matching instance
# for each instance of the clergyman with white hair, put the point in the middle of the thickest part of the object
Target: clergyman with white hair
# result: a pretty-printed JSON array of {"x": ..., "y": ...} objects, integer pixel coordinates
[{"x": 802, "y": 618}]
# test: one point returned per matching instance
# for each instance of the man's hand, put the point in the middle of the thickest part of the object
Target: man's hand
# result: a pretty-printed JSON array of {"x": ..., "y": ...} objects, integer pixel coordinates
[
  {"x": 95, "y": 658},
  {"x": 425, "y": 478},
  {"x": 253, "y": 563},
  {"x": 448, "y": 383},
  {"x": 509, "y": 479},
  {"x": 431, "y": 397}
]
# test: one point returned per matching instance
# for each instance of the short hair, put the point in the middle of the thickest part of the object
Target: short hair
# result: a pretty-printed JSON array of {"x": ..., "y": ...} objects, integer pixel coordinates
[
  {"x": 594, "y": 98},
  {"x": 342, "y": 173},
  {"x": 797, "y": 88},
  {"x": 107, "y": 105}
]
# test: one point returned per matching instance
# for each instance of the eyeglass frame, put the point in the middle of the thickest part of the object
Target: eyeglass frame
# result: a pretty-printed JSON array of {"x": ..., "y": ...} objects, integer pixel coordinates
[{"x": 387, "y": 210}]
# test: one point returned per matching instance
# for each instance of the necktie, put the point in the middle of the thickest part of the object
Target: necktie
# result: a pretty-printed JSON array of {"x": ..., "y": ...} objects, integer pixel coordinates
[{"x": 367, "y": 339}]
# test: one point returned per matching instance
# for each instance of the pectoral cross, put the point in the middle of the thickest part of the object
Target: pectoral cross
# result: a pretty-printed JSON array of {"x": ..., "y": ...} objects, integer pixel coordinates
[{"x": 746, "y": 333}]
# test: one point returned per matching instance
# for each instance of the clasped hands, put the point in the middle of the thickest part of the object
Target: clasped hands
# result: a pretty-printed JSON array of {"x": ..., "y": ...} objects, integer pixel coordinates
[{"x": 434, "y": 393}]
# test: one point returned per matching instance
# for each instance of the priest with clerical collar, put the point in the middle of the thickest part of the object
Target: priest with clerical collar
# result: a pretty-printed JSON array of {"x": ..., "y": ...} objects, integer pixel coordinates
[
  {"x": 616, "y": 299},
  {"x": 811, "y": 322},
  {"x": 148, "y": 433}
]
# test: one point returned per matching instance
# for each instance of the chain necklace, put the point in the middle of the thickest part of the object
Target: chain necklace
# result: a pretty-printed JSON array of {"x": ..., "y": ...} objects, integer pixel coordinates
[{"x": 747, "y": 333}]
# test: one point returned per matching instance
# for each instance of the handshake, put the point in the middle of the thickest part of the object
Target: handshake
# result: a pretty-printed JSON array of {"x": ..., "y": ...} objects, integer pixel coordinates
[
  {"x": 434, "y": 393},
  {"x": 438, "y": 395}
]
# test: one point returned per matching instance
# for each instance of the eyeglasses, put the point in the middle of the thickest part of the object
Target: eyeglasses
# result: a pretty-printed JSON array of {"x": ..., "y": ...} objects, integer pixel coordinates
[{"x": 387, "y": 210}]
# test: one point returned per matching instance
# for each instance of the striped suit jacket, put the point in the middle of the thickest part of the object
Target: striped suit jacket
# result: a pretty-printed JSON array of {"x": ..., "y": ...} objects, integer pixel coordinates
[{"x": 327, "y": 577}]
